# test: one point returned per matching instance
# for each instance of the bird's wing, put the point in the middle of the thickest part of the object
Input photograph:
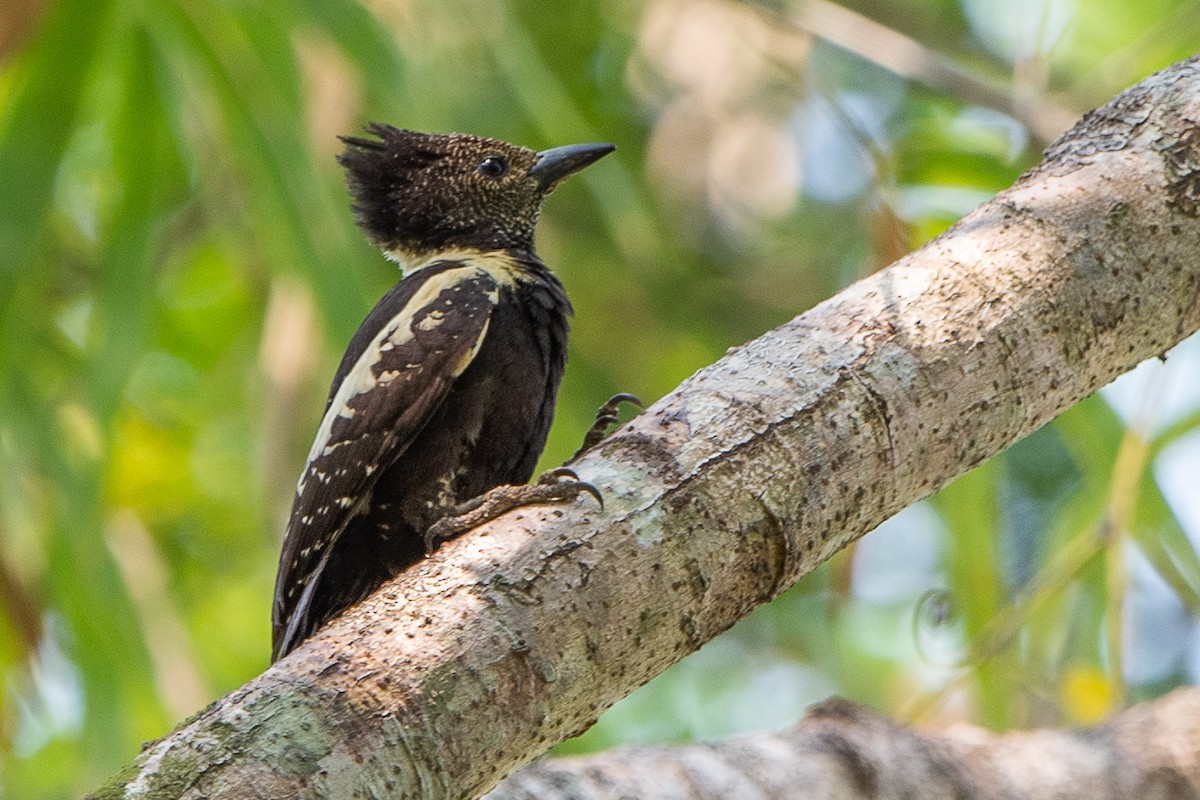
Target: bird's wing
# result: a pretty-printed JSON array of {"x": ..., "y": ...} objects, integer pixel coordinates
[{"x": 400, "y": 366}]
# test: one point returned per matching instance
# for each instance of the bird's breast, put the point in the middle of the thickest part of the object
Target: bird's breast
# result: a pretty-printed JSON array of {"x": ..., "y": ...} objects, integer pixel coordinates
[{"x": 493, "y": 423}]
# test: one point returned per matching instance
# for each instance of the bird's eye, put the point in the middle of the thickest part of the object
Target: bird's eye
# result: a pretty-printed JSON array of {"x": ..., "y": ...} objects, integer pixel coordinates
[{"x": 493, "y": 167}]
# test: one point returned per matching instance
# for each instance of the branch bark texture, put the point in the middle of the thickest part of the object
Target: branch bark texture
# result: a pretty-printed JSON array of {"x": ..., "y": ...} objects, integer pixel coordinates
[
  {"x": 722, "y": 494},
  {"x": 842, "y": 751}
]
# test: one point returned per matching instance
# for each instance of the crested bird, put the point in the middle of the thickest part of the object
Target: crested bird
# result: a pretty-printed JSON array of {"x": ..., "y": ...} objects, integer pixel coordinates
[{"x": 441, "y": 405}]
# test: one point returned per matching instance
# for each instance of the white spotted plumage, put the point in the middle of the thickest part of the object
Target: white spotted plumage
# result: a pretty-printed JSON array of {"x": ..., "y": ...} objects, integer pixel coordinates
[
  {"x": 351, "y": 448},
  {"x": 362, "y": 378}
]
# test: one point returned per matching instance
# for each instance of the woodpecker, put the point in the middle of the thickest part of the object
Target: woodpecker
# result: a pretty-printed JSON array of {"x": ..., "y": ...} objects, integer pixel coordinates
[{"x": 441, "y": 405}]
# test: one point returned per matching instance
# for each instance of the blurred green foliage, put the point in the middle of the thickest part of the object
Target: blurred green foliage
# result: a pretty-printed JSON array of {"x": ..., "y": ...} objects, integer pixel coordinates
[{"x": 179, "y": 274}]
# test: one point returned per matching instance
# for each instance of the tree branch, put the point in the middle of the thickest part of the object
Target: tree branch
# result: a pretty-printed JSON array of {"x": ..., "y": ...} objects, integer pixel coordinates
[
  {"x": 723, "y": 493},
  {"x": 842, "y": 750}
]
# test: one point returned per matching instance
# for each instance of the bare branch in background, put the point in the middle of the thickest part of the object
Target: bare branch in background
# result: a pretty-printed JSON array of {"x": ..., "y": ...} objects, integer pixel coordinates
[
  {"x": 905, "y": 56},
  {"x": 842, "y": 750}
]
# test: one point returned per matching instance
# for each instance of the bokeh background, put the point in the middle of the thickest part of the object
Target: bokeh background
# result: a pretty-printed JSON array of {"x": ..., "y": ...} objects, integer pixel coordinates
[{"x": 179, "y": 274}]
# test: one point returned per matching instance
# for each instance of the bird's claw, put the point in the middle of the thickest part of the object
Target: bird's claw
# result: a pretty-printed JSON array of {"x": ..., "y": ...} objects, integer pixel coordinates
[
  {"x": 567, "y": 477},
  {"x": 556, "y": 475},
  {"x": 560, "y": 483},
  {"x": 615, "y": 401},
  {"x": 606, "y": 415},
  {"x": 435, "y": 535},
  {"x": 591, "y": 489}
]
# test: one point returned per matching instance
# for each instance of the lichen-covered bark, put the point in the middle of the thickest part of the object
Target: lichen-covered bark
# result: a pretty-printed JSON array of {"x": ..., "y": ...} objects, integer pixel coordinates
[
  {"x": 1151, "y": 752},
  {"x": 726, "y": 491}
]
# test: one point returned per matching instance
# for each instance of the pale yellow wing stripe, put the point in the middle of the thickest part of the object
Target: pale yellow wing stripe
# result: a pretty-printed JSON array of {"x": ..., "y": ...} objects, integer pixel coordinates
[{"x": 362, "y": 378}]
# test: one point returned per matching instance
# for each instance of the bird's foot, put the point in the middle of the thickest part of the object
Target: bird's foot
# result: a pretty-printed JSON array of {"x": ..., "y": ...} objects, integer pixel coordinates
[
  {"x": 606, "y": 415},
  {"x": 552, "y": 486}
]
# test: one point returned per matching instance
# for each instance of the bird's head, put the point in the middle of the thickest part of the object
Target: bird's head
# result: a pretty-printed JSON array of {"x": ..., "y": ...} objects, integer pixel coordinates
[{"x": 417, "y": 194}]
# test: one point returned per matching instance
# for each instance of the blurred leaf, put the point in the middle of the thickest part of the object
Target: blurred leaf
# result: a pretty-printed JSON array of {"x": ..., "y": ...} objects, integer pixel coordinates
[
  {"x": 294, "y": 218},
  {"x": 969, "y": 508},
  {"x": 369, "y": 44}
]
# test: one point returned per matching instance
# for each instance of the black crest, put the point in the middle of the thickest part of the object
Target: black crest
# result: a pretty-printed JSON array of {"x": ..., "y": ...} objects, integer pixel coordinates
[{"x": 417, "y": 193}]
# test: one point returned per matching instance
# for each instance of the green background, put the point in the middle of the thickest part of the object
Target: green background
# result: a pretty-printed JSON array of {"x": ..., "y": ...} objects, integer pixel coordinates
[{"x": 179, "y": 274}]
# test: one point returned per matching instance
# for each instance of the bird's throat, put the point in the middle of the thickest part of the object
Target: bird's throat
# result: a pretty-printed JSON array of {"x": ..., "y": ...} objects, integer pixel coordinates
[{"x": 504, "y": 267}]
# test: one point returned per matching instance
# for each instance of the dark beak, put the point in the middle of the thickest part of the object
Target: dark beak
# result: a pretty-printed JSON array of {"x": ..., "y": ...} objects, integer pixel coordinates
[{"x": 558, "y": 162}]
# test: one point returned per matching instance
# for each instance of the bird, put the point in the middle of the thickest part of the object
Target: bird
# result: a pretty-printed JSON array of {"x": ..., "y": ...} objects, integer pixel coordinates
[{"x": 440, "y": 407}]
